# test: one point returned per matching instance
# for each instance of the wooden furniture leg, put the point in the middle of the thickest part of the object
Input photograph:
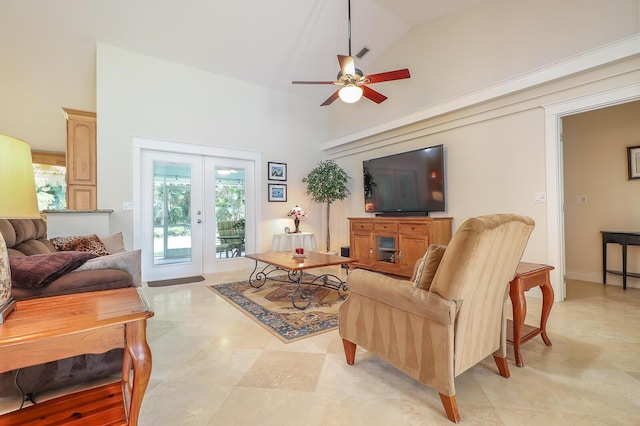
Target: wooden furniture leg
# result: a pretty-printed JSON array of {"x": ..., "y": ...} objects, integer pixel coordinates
[
  {"x": 349, "y": 351},
  {"x": 547, "y": 303},
  {"x": 518, "y": 302},
  {"x": 503, "y": 366},
  {"x": 139, "y": 354},
  {"x": 450, "y": 407}
]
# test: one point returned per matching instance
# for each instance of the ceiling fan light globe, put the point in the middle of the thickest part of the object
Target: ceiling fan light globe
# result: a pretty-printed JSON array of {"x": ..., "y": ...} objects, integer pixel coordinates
[{"x": 350, "y": 93}]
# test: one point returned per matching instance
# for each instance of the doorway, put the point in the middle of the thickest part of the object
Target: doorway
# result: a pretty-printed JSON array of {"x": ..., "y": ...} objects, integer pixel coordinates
[
  {"x": 554, "y": 170},
  {"x": 197, "y": 209}
]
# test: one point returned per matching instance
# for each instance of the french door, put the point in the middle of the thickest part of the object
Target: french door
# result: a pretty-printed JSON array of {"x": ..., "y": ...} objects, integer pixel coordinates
[{"x": 196, "y": 211}]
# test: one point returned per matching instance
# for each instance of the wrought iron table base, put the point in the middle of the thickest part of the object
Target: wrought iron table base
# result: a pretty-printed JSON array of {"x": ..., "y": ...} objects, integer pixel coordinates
[{"x": 302, "y": 296}]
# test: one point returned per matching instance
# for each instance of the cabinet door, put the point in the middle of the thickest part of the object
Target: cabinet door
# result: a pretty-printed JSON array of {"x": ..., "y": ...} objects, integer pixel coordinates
[
  {"x": 411, "y": 248},
  {"x": 81, "y": 152},
  {"x": 82, "y": 197},
  {"x": 386, "y": 249},
  {"x": 361, "y": 248}
]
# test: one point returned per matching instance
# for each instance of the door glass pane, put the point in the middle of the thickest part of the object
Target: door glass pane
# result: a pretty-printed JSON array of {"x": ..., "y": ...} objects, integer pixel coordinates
[
  {"x": 386, "y": 249},
  {"x": 171, "y": 213},
  {"x": 230, "y": 211}
]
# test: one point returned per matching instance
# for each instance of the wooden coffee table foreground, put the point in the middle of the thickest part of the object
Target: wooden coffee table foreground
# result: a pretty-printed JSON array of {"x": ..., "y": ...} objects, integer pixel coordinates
[
  {"x": 295, "y": 267},
  {"x": 47, "y": 329}
]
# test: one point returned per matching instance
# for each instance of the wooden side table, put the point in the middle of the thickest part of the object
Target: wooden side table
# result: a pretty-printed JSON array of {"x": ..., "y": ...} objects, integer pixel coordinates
[
  {"x": 47, "y": 329},
  {"x": 528, "y": 275}
]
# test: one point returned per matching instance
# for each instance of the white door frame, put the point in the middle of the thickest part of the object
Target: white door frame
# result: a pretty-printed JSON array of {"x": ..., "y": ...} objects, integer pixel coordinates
[
  {"x": 139, "y": 144},
  {"x": 554, "y": 169}
]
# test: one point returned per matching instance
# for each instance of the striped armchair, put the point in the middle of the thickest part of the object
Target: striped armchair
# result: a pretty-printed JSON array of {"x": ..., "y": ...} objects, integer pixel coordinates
[{"x": 435, "y": 335}]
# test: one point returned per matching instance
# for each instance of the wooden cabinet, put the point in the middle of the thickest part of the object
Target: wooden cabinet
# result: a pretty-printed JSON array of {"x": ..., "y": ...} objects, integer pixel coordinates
[
  {"x": 81, "y": 160},
  {"x": 393, "y": 245}
]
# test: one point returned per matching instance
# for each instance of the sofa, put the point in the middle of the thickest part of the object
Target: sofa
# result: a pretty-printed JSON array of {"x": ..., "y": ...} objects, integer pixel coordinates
[{"x": 26, "y": 240}]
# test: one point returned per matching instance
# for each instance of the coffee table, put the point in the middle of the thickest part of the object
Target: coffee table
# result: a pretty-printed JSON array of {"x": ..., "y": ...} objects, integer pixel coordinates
[{"x": 295, "y": 266}]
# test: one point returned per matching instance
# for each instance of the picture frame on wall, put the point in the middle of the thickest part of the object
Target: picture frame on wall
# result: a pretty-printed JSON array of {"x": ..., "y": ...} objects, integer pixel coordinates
[
  {"x": 277, "y": 171},
  {"x": 277, "y": 192},
  {"x": 633, "y": 159}
]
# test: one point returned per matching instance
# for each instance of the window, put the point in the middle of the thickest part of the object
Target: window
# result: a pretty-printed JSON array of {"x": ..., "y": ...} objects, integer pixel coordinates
[{"x": 51, "y": 186}]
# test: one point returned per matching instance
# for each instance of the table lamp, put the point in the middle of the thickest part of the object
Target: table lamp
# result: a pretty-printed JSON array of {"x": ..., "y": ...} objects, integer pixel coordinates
[{"x": 19, "y": 201}]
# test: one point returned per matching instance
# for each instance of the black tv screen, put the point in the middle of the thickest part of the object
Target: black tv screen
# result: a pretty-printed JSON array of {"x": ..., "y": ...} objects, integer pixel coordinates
[{"x": 406, "y": 183}]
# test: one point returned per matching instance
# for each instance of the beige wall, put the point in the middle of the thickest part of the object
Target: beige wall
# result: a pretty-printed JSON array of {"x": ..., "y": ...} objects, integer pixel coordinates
[
  {"x": 496, "y": 153},
  {"x": 595, "y": 166},
  {"x": 464, "y": 93},
  {"x": 482, "y": 46}
]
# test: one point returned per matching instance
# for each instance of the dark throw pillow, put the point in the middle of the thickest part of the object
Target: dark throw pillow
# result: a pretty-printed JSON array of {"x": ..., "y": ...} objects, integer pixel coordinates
[{"x": 41, "y": 269}]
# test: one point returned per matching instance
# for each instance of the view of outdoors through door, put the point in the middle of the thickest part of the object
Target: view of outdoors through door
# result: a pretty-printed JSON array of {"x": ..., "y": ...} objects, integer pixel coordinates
[
  {"x": 171, "y": 213},
  {"x": 230, "y": 209}
]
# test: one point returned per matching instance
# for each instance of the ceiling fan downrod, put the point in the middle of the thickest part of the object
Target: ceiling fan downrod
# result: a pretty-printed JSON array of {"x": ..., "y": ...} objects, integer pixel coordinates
[{"x": 349, "y": 26}]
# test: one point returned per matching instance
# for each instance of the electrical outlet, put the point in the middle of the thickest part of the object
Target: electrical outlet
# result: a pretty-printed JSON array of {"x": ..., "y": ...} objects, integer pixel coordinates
[
  {"x": 582, "y": 199},
  {"x": 540, "y": 197}
]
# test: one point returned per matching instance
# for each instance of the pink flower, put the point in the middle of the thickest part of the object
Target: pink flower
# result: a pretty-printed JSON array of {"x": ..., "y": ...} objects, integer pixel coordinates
[{"x": 296, "y": 212}]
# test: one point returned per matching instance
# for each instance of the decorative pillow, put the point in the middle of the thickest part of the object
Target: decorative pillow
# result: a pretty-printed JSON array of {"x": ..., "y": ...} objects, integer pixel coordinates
[
  {"x": 428, "y": 266},
  {"x": 127, "y": 261},
  {"x": 41, "y": 269},
  {"x": 114, "y": 243},
  {"x": 87, "y": 243}
]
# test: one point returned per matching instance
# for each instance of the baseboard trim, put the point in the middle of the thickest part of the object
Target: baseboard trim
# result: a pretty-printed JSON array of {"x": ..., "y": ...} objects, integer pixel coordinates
[{"x": 592, "y": 277}]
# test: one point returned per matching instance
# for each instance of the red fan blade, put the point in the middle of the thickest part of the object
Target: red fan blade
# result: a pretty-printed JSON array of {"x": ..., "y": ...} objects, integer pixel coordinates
[
  {"x": 389, "y": 75},
  {"x": 331, "y": 98},
  {"x": 376, "y": 97},
  {"x": 347, "y": 66},
  {"x": 313, "y": 82}
]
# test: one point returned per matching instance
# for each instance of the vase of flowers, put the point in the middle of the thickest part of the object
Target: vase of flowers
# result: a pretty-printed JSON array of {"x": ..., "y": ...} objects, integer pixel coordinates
[{"x": 296, "y": 212}]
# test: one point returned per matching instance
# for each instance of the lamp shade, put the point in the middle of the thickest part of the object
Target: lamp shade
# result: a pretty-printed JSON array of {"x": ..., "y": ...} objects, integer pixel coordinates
[
  {"x": 17, "y": 182},
  {"x": 350, "y": 93},
  {"x": 18, "y": 201}
]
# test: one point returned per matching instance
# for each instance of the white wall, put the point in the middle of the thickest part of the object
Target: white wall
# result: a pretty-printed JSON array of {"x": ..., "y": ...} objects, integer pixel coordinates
[{"x": 146, "y": 97}]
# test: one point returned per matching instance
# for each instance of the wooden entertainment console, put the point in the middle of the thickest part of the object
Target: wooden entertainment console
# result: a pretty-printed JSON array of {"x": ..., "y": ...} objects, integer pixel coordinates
[{"x": 393, "y": 244}]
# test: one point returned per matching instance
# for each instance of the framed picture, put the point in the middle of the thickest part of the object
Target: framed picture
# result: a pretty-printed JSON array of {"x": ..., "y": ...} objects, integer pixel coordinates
[
  {"x": 277, "y": 171},
  {"x": 633, "y": 157},
  {"x": 277, "y": 192}
]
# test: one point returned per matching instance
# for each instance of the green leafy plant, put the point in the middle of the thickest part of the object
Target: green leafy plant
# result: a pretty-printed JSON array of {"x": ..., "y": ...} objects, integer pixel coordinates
[{"x": 326, "y": 183}]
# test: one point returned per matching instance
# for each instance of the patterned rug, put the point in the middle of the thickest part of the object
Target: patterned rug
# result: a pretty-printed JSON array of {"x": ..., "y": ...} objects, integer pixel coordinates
[{"x": 270, "y": 306}]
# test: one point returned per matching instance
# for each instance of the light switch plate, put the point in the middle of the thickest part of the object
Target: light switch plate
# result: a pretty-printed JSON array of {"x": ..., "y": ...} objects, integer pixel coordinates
[{"x": 540, "y": 197}]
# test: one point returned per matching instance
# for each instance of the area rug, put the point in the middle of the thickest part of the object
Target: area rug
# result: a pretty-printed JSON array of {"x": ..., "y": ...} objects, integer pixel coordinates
[
  {"x": 175, "y": 281},
  {"x": 270, "y": 306}
]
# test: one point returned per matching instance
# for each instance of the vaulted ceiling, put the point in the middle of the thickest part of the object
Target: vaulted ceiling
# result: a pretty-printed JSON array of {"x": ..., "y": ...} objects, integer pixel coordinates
[{"x": 269, "y": 42}]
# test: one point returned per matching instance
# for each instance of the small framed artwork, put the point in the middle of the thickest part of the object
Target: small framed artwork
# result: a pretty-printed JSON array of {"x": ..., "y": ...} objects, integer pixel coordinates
[
  {"x": 277, "y": 192},
  {"x": 633, "y": 157},
  {"x": 277, "y": 171}
]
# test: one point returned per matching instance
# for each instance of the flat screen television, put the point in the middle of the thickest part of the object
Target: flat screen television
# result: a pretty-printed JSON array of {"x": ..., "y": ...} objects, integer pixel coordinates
[{"x": 405, "y": 184}]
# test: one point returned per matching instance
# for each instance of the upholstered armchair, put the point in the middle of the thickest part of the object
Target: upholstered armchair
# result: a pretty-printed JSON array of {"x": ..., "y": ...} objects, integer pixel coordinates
[{"x": 437, "y": 332}]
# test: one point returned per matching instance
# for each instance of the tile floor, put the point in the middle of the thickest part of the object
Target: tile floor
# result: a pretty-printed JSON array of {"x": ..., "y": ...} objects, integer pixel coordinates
[{"x": 214, "y": 366}]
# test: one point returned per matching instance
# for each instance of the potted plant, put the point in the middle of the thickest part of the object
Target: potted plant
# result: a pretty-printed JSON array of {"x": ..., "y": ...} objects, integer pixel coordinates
[{"x": 326, "y": 183}]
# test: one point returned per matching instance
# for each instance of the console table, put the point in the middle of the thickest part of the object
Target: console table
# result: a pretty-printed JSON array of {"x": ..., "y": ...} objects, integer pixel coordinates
[
  {"x": 47, "y": 329},
  {"x": 528, "y": 275},
  {"x": 624, "y": 239}
]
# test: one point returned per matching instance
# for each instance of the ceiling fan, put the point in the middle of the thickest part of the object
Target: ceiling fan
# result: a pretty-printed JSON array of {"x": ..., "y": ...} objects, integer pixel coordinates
[{"x": 354, "y": 81}]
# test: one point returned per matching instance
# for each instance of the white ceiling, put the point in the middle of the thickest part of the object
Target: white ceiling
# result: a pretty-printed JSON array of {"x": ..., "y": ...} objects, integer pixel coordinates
[{"x": 269, "y": 42}]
